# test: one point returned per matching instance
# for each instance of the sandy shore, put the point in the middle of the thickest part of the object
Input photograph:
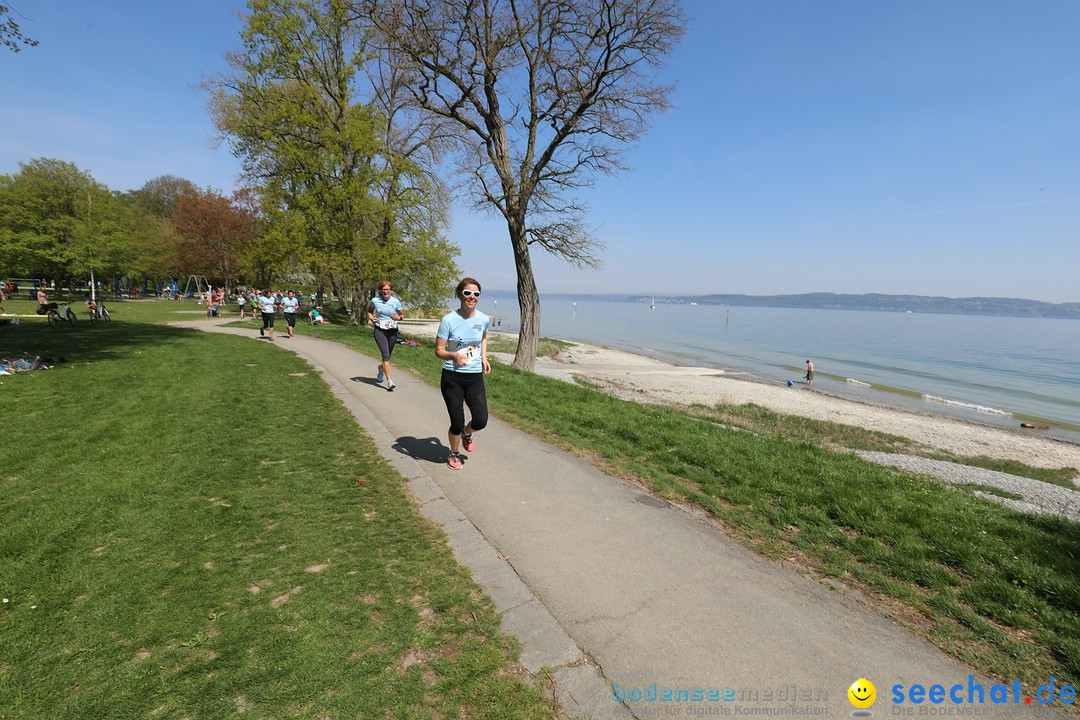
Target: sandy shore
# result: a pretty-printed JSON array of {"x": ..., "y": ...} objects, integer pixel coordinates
[{"x": 644, "y": 379}]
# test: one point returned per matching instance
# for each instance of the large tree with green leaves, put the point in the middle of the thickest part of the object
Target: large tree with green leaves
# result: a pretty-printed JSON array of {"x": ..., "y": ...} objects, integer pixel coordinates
[
  {"x": 334, "y": 198},
  {"x": 57, "y": 222},
  {"x": 542, "y": 96}
]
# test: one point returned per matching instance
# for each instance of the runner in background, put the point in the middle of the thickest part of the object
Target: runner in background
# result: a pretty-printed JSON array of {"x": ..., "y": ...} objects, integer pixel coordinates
[{"x": 384, "y": 311}]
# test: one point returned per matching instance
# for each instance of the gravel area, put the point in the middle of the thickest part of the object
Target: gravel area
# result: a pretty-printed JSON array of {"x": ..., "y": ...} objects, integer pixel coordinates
[{"x": 1038, "y": 497}]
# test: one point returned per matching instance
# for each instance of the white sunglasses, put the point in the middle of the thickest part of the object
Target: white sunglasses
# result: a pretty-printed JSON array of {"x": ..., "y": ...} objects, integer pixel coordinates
[{"x": 470, "y": 293}]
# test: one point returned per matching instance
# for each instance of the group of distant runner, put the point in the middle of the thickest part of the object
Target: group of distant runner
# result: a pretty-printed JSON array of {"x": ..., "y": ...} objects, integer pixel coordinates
[{"x": 269, "y": 303}]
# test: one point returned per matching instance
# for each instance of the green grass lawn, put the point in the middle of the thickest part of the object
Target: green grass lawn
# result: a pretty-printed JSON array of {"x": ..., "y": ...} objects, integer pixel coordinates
[
  {"x": 991, "y": 586},
  {"x": 183, "y": 534}
]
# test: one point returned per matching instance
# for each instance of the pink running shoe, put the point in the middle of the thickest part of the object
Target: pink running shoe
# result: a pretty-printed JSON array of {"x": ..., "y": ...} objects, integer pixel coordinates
[
  {"x": 454, "y": 461},
  {"x": 467, "y": 443}
]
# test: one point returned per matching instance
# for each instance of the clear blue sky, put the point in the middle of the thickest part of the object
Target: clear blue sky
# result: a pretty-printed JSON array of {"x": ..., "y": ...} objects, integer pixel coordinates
[{"x": 923, "y": 146}]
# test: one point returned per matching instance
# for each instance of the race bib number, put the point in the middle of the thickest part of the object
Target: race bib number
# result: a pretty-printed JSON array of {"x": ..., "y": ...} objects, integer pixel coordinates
[
  {"x": 386, "y": 323},
  {"x": 471, "y": 353}
]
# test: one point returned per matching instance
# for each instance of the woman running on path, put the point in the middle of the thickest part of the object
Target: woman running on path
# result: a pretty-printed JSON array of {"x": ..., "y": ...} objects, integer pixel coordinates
[
  {"x": 384, "y": 311},
  {"x": 288, "y": 309},
  {"x": 267, "y": 306},
  {"x": 462, "y": 345}
]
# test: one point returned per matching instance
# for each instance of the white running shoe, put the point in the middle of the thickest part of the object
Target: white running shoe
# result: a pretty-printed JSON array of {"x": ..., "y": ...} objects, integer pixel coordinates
[{"x": 390, "y": 385}]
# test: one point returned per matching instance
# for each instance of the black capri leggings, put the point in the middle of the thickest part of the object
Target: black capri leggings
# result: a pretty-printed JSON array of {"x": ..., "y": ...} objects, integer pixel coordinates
[
  {"x": 468, "y": 388},
  {"x": 268, "y": 320},
  {"x": 386, "y": 340}
]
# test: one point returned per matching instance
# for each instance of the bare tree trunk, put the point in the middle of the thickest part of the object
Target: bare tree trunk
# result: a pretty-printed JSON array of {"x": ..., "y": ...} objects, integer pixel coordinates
[
  {"x": 528, "y": 300},
  {"x": 337, "y": 287},
  {"x": 358, "y": 316}
]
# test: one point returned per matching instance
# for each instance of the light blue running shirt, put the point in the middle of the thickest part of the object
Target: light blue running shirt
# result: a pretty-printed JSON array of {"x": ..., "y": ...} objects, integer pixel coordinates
[
  {"x": 461, "y": 333},
  {"x": 383, "y": 311},
  {"x": 289, "y": 304}
]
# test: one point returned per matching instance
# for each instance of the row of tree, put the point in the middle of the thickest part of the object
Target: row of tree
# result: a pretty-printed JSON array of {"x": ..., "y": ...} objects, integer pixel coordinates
[
  {"x": 60, "y": 224},
  {"x": 346, "y": 116},
  {"x": 347, "y": 113}
]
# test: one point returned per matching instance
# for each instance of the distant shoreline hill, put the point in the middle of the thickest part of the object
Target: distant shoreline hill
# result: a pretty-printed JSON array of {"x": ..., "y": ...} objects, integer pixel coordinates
[{"x": 1011, "y": 307}]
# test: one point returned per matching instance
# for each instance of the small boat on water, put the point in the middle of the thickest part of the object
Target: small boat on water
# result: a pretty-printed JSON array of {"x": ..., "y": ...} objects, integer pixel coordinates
[{"x": 652, "y": 303}]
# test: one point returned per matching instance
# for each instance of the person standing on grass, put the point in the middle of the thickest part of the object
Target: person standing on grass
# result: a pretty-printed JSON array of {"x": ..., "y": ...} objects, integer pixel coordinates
[
  {"x": 462, "y": 344},
  {"x": 288, "y": 309},
  {"x": 384, "y": 311},
  {"x": 241, "y": 300},
  {"x": 809, "y": 373},
  {"x": 267, "y": 305},
  {"x": 44, "y": 306}
]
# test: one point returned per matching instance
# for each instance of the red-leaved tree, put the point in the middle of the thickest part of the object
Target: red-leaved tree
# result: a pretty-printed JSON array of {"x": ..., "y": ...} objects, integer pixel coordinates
[{"x": 215, "y": 231}]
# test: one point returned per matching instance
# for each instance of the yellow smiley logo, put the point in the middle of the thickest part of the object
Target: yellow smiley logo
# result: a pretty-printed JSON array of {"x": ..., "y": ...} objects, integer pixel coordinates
[{"x": 862, "y": 693}]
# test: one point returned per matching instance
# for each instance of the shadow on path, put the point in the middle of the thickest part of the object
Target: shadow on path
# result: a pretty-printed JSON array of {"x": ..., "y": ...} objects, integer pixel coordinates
[{"x": 428, "y": 449}]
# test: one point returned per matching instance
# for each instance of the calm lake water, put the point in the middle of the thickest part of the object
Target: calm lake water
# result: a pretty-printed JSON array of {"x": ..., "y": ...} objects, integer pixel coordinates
[{"x": 997, "y": 370}]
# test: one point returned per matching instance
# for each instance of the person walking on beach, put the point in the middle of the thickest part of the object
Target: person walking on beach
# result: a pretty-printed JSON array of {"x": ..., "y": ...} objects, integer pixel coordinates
[
  {"x": 267, "y": 305},
  {"x": 289, "y": 304},
  {"x": 384, "y": 311},
  {"x": 462, "y": 344},
  {"x": 809, "y": 373}
]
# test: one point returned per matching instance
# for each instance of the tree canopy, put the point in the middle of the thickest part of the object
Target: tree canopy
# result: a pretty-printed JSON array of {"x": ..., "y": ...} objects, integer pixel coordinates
[
  {"x": 215, "y": 233},
  {"x": 159, "y": 196},
  {"x": 337, "y": 195},
  {"x": 58, "y": 223},
  {"x": 10, "y": 33}
]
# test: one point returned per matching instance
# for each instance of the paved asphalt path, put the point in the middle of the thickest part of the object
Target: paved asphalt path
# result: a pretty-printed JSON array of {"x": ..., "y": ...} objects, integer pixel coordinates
[{"x": 619, "y": 593}]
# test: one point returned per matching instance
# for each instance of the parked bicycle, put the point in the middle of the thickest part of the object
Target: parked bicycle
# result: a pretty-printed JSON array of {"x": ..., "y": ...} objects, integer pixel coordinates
[
  {"x": 58, "y": 315},
  {"x": 98, "y": 311}
]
